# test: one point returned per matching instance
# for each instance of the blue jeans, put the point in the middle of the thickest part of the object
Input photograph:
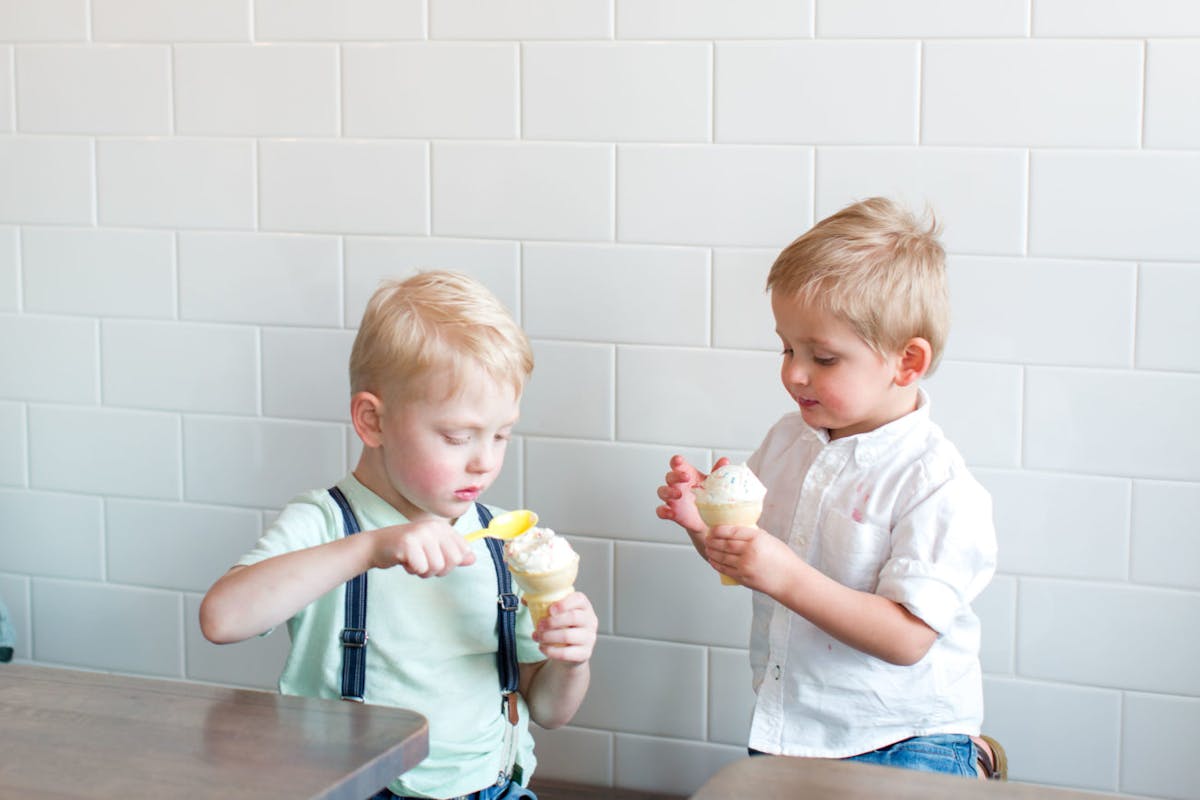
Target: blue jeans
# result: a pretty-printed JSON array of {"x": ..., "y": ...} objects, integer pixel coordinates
[
  {"x": 948, "y": 753},
  {"x": 510, "y": 791}
]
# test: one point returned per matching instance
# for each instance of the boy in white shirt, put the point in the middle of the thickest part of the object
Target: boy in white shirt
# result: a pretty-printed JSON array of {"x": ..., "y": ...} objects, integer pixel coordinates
[{"x": 874, "y": 537}]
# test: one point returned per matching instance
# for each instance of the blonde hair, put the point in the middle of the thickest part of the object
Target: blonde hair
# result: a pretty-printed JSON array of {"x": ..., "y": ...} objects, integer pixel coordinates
[
  {"x": 878, "y": 267},
  {"x": 435, "y": 321}
]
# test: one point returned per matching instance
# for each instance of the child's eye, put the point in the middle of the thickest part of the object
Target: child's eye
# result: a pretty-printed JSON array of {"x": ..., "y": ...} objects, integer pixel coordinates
[
  {"x": 503, "y": 437},
  {"x": 787, "y": 351},
  {"x": 825, "y": 361},
  {"x": 455, "y": 440}
]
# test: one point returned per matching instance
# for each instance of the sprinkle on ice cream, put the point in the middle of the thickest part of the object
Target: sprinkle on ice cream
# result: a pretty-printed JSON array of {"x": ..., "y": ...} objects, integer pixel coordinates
[
  {"x": 732, "y": 483},
  {"x": 538, "y": 550}
]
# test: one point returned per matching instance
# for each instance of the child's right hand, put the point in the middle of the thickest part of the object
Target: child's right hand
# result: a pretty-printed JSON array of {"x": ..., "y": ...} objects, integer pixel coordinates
[
  {"x": 427, "y": 548},
  {"x": 679, "y": 504}
]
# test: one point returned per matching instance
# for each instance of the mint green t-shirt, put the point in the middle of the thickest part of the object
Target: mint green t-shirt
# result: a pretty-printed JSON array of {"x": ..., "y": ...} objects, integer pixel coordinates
[{"x": 432, "y": 645}]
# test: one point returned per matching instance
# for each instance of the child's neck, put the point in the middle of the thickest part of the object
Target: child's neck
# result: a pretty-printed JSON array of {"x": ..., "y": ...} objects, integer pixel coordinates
[
  {"x": 370, "y": 474},
  {"x": 905, "y": 400}
]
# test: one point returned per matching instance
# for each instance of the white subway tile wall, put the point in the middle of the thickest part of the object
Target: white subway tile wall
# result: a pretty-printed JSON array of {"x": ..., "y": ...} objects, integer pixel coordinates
[
  {"x": 170, "y": 20},
  {"x": 431, "y": 91},
  {"x": 321, "y": 20},
  {"x": 818, "y": 78},
  {"x": 10, "y": 288},
  {"x": 105, "y": 272},
  {"x": 13, "y": 456},
  {"x": 196, "y": 201},
  {"x": 256, "y": 90},
  {"x": 94, "y": 89},
  {"x": 6, "y": 89}
]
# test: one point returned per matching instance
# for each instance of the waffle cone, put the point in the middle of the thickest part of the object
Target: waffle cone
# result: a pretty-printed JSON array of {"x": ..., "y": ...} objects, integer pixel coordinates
[
  {"x": 730, "y": 514},
  {"x": 544, "y": 589}
]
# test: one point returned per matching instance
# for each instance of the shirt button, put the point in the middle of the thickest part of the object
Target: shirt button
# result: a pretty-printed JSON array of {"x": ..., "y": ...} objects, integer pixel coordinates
[{"x": 777, "y": 672}]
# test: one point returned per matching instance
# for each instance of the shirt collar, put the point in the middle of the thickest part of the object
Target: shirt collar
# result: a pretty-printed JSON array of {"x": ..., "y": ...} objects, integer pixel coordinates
[
  {"x": 372, "y": 507},
  {"x": 868, "y": 447}
]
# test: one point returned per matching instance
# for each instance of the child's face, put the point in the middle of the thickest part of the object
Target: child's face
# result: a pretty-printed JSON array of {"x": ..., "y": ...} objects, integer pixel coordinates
[
  {"x": 838, "y": 381},
  {"x": 439, "y": 455}
]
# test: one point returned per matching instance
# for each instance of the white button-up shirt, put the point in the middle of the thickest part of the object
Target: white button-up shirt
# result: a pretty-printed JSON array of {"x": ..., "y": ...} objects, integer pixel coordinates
[{"x": 894, "y": 512}]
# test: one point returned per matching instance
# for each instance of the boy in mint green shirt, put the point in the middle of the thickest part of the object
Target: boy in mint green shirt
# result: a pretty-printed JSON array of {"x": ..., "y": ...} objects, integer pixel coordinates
[{"x": 437, "y": 372}]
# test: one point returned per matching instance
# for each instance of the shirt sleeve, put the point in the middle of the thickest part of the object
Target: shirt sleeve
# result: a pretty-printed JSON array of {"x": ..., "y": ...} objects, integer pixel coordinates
[
  {"x": 943, "y": 552},
  {"x": 304, "y": 522}
]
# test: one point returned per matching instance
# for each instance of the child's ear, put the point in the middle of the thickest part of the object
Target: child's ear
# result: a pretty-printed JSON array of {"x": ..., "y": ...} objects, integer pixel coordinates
[
  {"x": 915, "y": 360},
  {"x": 365, "y": 411}
]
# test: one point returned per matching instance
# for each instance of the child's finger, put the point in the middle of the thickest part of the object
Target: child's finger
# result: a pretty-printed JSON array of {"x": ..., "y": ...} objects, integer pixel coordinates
[
  {"x": 571, "y": 654},
  {"x": 564, "y": 621},
  {"x": 731, "y": 533},
  {"x": 677, "y": 478},
  {"x": 414, "y": 561},
  {"x": 574, "y": 602}
]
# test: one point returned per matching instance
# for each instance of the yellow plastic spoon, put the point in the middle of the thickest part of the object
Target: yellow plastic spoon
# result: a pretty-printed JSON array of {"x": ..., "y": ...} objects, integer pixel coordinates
[{"x": 506, "y": 526}]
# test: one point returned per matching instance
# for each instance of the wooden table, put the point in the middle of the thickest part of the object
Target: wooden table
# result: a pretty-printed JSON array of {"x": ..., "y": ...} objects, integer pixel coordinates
[
  {"x": 778, "y": 777},
  {"x": 69, "y": 734}
]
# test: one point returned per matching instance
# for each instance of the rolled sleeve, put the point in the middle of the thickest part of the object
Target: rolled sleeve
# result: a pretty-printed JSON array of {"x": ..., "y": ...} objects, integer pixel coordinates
[{"x": 943, "y": 552}]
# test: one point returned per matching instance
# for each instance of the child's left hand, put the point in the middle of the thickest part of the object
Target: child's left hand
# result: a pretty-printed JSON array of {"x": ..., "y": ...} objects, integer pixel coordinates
[
  {"x": 750, "y": 555},
  {"x": 569, "y": 633}
]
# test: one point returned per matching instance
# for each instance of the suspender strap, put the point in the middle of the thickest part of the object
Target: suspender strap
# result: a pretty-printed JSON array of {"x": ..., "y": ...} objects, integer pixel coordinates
[
  {"x": 354, "y": 633},
  {"x": 506, "y": 614}
]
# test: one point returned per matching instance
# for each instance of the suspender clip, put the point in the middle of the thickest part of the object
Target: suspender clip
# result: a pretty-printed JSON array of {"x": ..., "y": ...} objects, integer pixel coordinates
[
  {"x": 354, "y": 637},
  {"x": 508, "y": 602}
]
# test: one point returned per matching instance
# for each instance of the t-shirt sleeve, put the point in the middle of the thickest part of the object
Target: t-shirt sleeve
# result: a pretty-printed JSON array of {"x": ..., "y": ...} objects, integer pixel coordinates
[
  {"x": 306, "y": 521},
  {"x": 943, "y": 552}
]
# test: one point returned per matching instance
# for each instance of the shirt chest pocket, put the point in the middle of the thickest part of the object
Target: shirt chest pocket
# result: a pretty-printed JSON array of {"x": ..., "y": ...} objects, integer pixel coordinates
[{"x": 853, "y": 553}]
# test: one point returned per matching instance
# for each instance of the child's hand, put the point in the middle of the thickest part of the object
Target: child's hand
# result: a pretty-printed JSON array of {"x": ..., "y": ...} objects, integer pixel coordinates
[
  {"x": 750, "y": 555},
  {"x": 569, "y": 632},
  {"x": 679, "y": 504},
  {"x": 427, "y": 548}
]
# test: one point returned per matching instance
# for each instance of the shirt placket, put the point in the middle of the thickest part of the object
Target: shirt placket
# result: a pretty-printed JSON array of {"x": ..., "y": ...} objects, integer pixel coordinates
[{"x": 813, "y": 494}]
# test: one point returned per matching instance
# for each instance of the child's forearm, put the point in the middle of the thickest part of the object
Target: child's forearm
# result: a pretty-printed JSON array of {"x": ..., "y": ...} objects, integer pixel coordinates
[
  {"x": 249, "y": 600},
  {"x": 555, "y": 690},
  {"x": 868, "y": 622}
]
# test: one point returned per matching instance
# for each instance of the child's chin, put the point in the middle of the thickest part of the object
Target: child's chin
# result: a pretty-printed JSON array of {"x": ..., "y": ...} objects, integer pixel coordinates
[
  {"x": 454, "y": 509},
  {"x": 813, "y": 416}
]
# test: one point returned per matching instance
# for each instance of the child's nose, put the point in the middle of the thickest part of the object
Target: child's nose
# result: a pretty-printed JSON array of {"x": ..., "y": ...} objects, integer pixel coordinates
[
  {"x": 484, "y": 459},
  {"x": 795, "y": 375}
]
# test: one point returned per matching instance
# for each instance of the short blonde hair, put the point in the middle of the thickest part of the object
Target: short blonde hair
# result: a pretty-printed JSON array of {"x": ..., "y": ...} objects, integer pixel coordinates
[
  {"x": 435, "y": 322},
  {"x": 877, "y": 266}
]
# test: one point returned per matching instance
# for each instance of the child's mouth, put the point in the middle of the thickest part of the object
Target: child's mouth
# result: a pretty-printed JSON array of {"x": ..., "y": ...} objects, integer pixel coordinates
[
  {"x": 805, "y": 403},
  {"x": 468, "y": 494}
]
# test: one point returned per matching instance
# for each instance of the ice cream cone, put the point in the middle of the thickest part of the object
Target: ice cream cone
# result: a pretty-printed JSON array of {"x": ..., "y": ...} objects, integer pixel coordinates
[
  {"x": 746, "y": 513},
  {"x": 730, "y": 495},
  {"x": 730, "y": 513},
  {"x": 544, "y": 589}
]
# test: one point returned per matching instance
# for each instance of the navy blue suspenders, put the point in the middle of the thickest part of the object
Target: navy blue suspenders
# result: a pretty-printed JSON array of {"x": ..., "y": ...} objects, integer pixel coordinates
[{"x": 354, "y": 633}]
